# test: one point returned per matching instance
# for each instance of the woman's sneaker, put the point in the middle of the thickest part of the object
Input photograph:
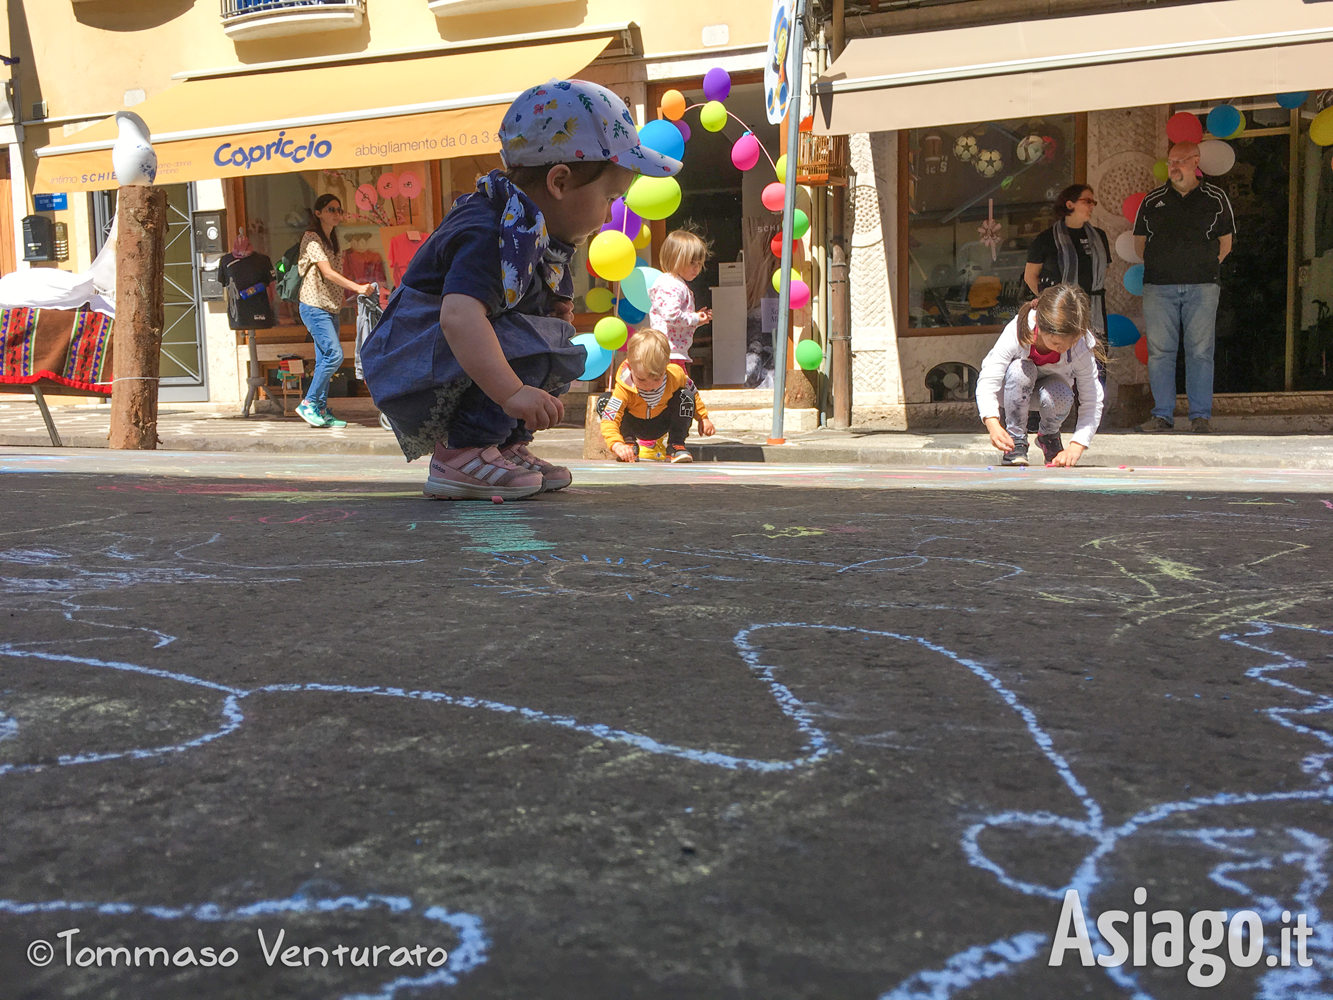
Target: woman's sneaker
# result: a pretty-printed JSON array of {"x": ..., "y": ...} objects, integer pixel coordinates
[
  {"x": 554, "y": 477},
  {"x": 478, "y": 474},
  {"x": 329, "y": 419},
  {"x": 1050, "y": 445},
  {"x": 678, "y": 453},
  {"x": 310, "y": 414}
]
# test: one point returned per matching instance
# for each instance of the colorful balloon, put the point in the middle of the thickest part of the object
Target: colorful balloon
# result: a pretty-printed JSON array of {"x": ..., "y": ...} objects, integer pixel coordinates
[
  {"x": 611, "y": 333},
  {"x": 611, "y": 255},
  {"x": 1125, "y": 248},
  {"x": 1134, "y": 280},
  {"x": 628, "y": 313},
  {"x": 717, "y": 84},
  {"x": 684, "y": 128},
  {"x": 1141, "y": 350},
  {"x": 713, "y": 116},
  {"x": 673, "y": 105},
  {"x": 1121, "y": 331},
  {"x": 1161, "y": 171},
  {"x": 623, "y": 219},
  {"x": 1216, "y": 157},
  {"x": 800, "y": 223},
  {"x": 745, "y": 152},
  {"x": 654, "y": 197},
  {"x": 777, "y": 278},
  {"x": 1224, "y": 121},
  {"x": 644, "y": 238},
  {"x": 1321, "y": 129},
  {"x": 637, "y": 286},
  {"x": 598, "y": 300},
  {"x": 1293, "y": 100},
  {"x": 599, "y": 358},
  {"x": 1184, "y": 127},
  {"x": 800, "y": 294},
  {"x": 781, "y": 168},
  {"x": 775, "y": 244},
  {"x": 809, "y": 355},
  {"x": 773, "y": 197},
  {"x": 1129, "y": 208},
  {"x": 663, "y": 137}
]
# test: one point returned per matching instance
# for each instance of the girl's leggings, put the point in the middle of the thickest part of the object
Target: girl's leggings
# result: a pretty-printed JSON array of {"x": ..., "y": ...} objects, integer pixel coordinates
[{"x": 1054, "y": 398}]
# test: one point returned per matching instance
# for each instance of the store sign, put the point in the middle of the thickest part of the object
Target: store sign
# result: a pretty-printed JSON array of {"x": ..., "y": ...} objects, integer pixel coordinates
[
  {"x": 50, "y": 202},
  {"x": 778, "y": 62},
  {"x": 435, "y": 135}
]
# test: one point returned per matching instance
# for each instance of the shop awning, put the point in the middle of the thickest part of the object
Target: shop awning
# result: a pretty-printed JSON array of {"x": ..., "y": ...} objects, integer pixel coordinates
[
  {"x": 323, "y": 117},
  {"x": 1193, "y": 52}
]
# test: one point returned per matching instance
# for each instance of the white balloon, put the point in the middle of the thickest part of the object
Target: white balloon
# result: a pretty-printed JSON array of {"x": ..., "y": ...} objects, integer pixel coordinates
[
  {"x": 1124, "y": 248},
  {"x": 1216, "y": 157}
]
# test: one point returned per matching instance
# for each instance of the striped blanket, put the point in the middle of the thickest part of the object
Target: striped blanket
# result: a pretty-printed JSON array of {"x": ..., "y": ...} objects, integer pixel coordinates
[{"x": 55, "y": 349}]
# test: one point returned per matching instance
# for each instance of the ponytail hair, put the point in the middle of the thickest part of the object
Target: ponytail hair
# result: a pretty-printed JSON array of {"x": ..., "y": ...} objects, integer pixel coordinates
[{"x": 1062, "y": 311}]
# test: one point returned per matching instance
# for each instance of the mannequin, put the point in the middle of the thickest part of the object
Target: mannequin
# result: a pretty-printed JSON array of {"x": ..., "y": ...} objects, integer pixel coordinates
[{"x": 246, "y": 276}]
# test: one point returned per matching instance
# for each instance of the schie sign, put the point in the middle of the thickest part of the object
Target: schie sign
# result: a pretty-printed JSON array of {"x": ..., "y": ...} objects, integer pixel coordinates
[{"x": 287, "y": 149}]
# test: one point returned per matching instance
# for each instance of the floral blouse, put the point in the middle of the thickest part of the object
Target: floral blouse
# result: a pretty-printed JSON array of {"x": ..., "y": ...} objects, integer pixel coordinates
[
  {"x": 317, "y": 290},
  {"x": 673, "y": 313}
]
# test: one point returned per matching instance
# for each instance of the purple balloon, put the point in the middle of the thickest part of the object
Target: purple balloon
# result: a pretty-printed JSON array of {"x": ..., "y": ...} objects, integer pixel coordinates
[
  {"x": 623, "y": 219},
  {"x": 717, "y": 84},
  {"x": 684, "y": 127}
]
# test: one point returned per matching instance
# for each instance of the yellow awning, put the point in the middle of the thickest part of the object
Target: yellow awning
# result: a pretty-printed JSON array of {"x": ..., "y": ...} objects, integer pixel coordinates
[
  {"x": 1164, "y": 55},
  {"x": 324, "y": 117}
]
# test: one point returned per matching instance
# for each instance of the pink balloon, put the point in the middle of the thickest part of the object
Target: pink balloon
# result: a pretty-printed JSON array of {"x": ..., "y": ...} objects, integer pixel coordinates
[
  {"x": 773, "y": 197},
  {"x": 800, "y": 294},
  {"x": 745, "y": 152},
  {"x": 1184, "y": 127}
]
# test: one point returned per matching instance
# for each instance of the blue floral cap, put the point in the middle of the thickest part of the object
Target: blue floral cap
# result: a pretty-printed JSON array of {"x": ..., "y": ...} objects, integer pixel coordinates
[{"x": 565, "y": 121}]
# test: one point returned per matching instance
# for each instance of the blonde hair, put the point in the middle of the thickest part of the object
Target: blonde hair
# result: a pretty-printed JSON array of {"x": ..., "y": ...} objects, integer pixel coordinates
[
  {"x": 649, "y": 352},
  {"x": 1062, "y": 311},
  {"x": 682, "y": 248}
]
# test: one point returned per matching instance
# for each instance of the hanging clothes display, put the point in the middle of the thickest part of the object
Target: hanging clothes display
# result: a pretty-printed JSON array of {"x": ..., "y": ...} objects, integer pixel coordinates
[
  {"x": 246, "y": 277},
  {"x": 402, "y": 248}
]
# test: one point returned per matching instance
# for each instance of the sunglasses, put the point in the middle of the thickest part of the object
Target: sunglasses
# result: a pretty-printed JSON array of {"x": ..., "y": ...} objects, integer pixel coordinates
[
  {"x": 1088, "y": 201},
  {"x": 334, "y": 210}
]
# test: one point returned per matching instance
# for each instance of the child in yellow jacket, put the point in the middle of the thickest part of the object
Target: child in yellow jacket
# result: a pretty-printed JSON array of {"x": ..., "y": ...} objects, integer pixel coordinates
[{"x": 652, "y": 396}]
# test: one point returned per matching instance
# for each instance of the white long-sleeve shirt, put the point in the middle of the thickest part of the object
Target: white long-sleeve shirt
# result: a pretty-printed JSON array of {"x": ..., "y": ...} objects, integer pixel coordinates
[
  {"x": 1077, "y": 366},
  {"x": 673, "y": 314}
]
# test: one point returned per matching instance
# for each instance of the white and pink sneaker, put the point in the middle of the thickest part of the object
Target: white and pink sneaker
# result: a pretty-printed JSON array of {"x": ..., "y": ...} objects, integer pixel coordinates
[
  {"x": 554, "y": 477},
  {"x": 478, "y": 474}
]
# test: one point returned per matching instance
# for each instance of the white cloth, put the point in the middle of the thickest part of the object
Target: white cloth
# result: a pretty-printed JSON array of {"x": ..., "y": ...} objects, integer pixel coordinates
[
  {"x": 1077, "y": 366},
  {"x": 51, "y": 288}
]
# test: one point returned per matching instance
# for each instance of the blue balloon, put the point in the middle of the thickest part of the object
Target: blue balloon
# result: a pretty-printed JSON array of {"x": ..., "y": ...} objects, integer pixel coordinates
[
  {"x": 1134, "y": 280},
  {"x": 599, "y": 358},
  {"x": 1292, "y": 101},
  {"x": 663, "y": 137},
  {"x": 1224, "y": 121},
  {"x": 637, "y": 286},
  {"x": 626, "y": 311},
  {"x": 1121, "y": 331}
]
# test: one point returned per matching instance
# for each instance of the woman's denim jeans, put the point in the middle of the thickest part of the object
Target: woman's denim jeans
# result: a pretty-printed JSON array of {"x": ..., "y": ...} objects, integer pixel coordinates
[{"x": 323, "y": 327}]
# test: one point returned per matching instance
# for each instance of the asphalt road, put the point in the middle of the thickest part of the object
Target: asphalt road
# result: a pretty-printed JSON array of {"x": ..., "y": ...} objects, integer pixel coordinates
[{"x": 674, "y": 733}]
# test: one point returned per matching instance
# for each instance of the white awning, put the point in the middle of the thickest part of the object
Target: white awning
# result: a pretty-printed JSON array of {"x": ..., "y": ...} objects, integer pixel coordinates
[{"x": 1194, "y": 52}]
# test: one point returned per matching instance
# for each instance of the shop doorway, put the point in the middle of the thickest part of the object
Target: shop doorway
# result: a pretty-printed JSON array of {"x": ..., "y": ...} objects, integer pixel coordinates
[{"x": 184, "y": 368}]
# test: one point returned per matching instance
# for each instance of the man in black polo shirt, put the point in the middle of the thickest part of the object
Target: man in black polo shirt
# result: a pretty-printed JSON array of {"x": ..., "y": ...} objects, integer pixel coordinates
[{"x": 1183, "y": 232}]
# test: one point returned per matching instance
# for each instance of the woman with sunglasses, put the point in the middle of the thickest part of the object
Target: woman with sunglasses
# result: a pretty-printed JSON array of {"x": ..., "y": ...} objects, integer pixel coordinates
[
  {"x": 1073, "y": 252},
  {"x": 321, "y": 300}
]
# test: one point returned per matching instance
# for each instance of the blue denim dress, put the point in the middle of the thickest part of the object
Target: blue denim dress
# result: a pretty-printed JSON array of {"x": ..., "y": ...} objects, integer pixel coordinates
[{"x": 493, "y": 247}]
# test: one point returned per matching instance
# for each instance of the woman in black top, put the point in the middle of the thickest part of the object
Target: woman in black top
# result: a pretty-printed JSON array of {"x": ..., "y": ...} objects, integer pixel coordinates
[{"x": 1072, "y": 252}]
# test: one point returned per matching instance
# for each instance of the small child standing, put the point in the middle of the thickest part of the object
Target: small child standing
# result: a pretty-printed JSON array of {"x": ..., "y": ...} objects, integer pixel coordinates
[
  {"x": 474, "y": 347},
  {"x": 683, "y": 256},
  {"x": 1045, "y": 347},
  {"x": 652, "y": 396}
]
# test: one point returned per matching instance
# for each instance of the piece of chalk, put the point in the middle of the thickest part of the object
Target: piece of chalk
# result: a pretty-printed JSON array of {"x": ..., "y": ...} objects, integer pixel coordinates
[
  {"x": 497, "y": 499},
  {"x": 1124, "y": 466}
]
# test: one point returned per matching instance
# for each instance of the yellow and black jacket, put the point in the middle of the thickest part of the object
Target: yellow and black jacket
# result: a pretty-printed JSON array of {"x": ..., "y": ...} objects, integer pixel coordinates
[{"x": 626, "y": 399}]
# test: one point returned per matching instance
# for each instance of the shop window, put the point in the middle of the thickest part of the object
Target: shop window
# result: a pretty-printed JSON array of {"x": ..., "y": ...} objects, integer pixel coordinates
[{"x": 979, "y": 194}]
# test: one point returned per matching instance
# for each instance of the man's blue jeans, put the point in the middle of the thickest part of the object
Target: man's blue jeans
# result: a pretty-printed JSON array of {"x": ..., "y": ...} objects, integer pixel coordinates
[
  {"x": 323, "y": 327},
  {"x": 1169, "y": 311}
]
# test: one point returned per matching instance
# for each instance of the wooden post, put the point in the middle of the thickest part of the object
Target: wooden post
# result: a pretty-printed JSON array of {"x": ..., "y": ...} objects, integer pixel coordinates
[{"x": 141, "y": 236}]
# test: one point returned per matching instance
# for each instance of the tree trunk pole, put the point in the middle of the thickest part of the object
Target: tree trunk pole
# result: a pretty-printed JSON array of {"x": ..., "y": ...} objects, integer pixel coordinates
[{"x": 137, "y": 338}]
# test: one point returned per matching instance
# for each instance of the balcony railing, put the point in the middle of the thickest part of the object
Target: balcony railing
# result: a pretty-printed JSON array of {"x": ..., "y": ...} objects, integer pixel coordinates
[{"x": 244, "y": 20}]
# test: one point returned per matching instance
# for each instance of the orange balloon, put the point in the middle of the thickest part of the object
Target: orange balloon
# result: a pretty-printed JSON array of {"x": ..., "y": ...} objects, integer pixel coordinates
[{"x": 673, "y": 105}]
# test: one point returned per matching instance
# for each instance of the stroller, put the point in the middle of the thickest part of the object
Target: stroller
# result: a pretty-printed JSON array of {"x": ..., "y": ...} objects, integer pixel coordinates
[{"x": 368, "y": 313}]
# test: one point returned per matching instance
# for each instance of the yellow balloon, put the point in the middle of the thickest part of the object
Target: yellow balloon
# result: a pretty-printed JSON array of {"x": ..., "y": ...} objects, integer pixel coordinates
[
  {"x": 643, "y": 239},
  {"x": 777, "y": 278},
  {"x": 598, "y": 300},
  {"x": 611, "y": 255},
  {"x": 652, "y": 198},
  {"x": 611, "y": 333},
  {"x": 713, "y": 116},
  {"x": 782, "y": 169},
  {"x": 1321, "y": 129}
]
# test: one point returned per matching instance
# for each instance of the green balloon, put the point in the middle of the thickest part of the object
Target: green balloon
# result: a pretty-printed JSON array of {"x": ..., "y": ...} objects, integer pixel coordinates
[
  {"x": 611, "y": 333},
  {"x": 1161, "y": 171},
  {"x": 800, "y": 223},
  {"x": 654, "y": 197},
  {"x": 809, "y": 355},
  {"x": 713, "y": 116}
]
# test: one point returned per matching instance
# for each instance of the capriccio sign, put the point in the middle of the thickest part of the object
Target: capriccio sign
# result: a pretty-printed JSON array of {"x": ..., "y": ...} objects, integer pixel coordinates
[{"x": 241, "y": 156}]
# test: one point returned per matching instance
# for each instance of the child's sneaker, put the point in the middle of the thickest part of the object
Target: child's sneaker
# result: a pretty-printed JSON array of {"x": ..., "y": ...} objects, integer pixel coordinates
[
  {"x": 554, "y": 477},
  {"x": 310, "y": 414},
  {"x": 679, "y": 453},
  {"x": 1019, "y": 456},
  {"x": 1051, "y": 445},
  {"x": 329, "y": 419},
  {"x": 652, "y": 451},
  {"x": 478, "y": 474}
]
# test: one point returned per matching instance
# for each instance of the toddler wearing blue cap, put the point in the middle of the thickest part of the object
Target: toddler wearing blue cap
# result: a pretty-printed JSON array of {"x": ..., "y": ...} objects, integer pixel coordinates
[{"x": 474, "y": 347}]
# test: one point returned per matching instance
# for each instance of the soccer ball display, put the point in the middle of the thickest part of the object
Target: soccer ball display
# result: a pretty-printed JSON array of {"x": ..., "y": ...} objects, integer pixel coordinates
[
  {"x": 989, "y": 163},
  {"x": 965, "y": 148},
  {"x": 1031, "y": 149}
]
